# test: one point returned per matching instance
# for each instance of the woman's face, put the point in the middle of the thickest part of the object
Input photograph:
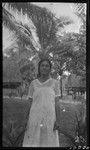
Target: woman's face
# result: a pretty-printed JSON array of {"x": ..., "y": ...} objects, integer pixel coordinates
[{"x": 45, "y": 68}]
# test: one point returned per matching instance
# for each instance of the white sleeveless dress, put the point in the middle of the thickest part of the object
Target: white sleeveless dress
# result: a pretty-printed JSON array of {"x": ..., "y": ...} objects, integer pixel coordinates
[{"x": 39, "y": 131}]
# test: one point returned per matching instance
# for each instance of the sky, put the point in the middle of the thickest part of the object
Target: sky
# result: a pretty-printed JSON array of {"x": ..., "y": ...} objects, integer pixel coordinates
[
  {"x": 59, "y": 9},
  {"x": 63, "y": 9}
]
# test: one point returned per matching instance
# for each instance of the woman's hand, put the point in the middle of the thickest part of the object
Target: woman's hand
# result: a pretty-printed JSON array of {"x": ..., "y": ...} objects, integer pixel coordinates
[{"x": 56, "y": 126}]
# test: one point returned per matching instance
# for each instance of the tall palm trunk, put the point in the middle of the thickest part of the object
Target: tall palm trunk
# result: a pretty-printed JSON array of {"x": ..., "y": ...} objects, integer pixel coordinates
[
  {"x": 61, "y": 87},
  {"x": 60, "y": 73}
]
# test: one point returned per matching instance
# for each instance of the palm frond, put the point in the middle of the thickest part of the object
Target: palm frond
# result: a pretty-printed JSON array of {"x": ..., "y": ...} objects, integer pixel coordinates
[
  {"x": 63, "y": 21},
  {"x": 79, "y": 7},
  {"x": 20, "y": 30},
  {"x": 80, "y": 11},
  {"x": 45, "y": 23},
  {"x": 42, "y": 19}
]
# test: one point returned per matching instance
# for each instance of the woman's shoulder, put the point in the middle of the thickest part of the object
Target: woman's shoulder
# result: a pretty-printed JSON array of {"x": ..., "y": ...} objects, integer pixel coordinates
[
  {"x": 32, "y": 82},
  {"x": 55, "y": 80}
]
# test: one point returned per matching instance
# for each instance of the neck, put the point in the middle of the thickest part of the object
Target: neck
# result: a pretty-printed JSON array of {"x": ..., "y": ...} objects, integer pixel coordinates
[{"x": 44, "y": 76}]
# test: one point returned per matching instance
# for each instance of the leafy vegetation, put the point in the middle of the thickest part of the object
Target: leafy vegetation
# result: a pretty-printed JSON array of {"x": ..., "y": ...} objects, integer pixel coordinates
[{"x": 39, "y": 38}]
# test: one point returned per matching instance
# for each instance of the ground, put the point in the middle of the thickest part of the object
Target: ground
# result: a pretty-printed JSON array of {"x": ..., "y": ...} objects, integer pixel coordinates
[{"x": 15, "y": 115}]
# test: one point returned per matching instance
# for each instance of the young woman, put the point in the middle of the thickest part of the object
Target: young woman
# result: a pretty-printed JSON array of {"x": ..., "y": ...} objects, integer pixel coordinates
[{"x": 43, "y": 92}]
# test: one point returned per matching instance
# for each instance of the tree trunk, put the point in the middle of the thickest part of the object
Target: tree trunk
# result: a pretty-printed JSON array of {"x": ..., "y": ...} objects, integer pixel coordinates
[{"x": 61, "y": 87}]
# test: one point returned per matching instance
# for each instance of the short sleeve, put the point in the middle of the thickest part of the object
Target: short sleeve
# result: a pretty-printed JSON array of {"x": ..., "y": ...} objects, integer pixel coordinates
[
  {"x": 57, "y": 88},
  {"x": 31, "y": 90}
]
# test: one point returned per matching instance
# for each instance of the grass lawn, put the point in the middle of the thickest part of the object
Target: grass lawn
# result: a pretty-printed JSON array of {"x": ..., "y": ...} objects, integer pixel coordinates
[
  {"x": 15, "y": 115},
  {"x": 68, "y": 113}
]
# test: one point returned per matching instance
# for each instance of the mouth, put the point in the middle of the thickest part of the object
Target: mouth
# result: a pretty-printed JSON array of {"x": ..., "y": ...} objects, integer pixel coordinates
[{"x": 44, "y": 71}]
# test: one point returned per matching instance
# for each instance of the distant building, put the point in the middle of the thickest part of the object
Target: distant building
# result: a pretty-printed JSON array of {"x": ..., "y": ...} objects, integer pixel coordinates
[{"x": 76, "y": 84}]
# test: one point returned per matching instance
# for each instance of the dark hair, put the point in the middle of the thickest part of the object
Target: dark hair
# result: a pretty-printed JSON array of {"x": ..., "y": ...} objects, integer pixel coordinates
[{"x": 42, "y": 60}]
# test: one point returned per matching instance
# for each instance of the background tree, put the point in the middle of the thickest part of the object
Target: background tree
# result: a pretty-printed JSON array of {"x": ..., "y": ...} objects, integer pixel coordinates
[
  {"x": 75, "y": 54},
  {"x": 76, "y": 43},
  {"x": 80, "y": 11}
]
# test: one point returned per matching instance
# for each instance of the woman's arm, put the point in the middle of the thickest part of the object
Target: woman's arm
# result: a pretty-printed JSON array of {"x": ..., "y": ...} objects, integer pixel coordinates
[
  {"x": 30, "y": 92},
  {"x": 30, "y": 99},
  {"x": 56, "y": 125},
  {"x": 57, "y": 99},
  {"x": 57, "y": 106}
]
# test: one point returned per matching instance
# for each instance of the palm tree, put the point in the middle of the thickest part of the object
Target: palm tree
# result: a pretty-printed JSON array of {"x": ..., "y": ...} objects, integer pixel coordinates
[
  {"x": 21, "y": 32},
  {"x": 38, "y": 35},
  {"x": 41, "y": 22}
]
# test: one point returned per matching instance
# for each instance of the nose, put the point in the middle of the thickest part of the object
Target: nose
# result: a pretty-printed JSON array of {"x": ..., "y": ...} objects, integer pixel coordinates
[{"x": 44, "y": 67}]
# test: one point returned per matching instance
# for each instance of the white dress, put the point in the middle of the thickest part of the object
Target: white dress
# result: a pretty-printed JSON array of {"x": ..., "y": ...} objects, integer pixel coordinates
[{"x": 39, "y": 131}]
